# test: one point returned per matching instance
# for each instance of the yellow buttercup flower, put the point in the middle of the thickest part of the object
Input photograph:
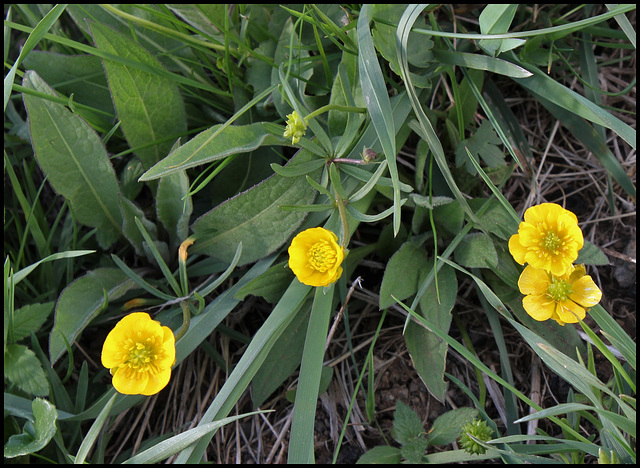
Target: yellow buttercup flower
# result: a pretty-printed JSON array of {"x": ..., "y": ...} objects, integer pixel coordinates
[
  {"x": 296, "y": 127},
  {"x": 549, "y": 238},
  {"x": 315, "y": 257},
  {"x": 561, "y": 298},
  {"x": 139, "y": 352}
]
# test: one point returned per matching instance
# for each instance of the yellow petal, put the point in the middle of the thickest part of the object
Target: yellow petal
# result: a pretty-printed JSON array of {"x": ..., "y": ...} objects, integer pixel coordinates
[
  {"x": 130, "y": 382},
  {"x": 569, "y": 312},
  {"x": 585, "y": 292},
  {"x": 533, "y": 281},
  {"x": 157, "y": 382},
  {"x": 540, "y": 308}
]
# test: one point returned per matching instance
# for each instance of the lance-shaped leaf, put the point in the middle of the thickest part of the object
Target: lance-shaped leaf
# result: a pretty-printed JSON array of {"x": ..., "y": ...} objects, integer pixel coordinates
[
  {"x": 149, "y": 105},
  {"x": 216, "y": 143},
  {"x": 254, "y": 217},
  {"x": 72, "y": 156}
]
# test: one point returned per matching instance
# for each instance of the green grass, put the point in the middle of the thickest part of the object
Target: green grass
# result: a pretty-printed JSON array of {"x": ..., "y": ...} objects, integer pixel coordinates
[{"x": 146, "y": 169}]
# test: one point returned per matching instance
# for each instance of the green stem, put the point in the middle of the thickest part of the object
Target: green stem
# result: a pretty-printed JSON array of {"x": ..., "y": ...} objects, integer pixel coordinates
[
  {"x": 343, "y": 218},
  {"x": 186, "y": 320},
  {"x": 336, "y": 107}
]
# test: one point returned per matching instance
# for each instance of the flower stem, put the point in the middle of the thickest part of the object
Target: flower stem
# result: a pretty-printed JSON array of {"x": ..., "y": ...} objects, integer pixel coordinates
[
  {"x": 343, "y": 218},
  {"x": 337, "y": 107},
  {"x": 186, "y": 320}
]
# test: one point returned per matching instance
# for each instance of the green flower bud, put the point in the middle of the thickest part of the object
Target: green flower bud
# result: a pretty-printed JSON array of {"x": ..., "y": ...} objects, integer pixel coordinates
[{"x": 477, "y": 429}]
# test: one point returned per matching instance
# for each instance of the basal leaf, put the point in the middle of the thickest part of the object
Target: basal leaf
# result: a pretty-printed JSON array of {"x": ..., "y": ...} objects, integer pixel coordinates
[
  {"x": 402, "y": 274},
  {"x": 37, "y": 433},
  {"x": 428, "y": 352},
  {"x": 255, "y": 218},
  {"x": 30, "y": 318},
  {"x": 22, "y": 368},
  {"x": 172, "y": 208},
  {"x": 81, "y": 301},
  {"x": 216, "y": 143},
  {"x": 149, "y": 106},
  {"x": 72, "y": 156}
]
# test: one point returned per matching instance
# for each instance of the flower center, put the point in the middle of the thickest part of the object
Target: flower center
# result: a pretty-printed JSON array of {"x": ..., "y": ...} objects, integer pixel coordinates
[
  {"x": 551, "y": 242},
  {"x": 559, "y": 290},
  {"x": 322, "y": 256},
  {"x": 141, "y": 354}
]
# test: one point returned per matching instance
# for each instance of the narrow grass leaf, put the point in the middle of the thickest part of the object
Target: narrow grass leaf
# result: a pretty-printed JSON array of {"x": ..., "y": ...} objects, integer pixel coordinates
[
  {"x": 34, "y": 38},
  {"x": 91, "y": 436},
  {"x": 251, "y": 360},
  {"x": 378, "y": 104},
  {"x": 424, "y": 128},
  {"x": 543, "y": 85},
  {"x": 301, "y": 442},
  {"x": 481, "y": 62},
  {"x": 21, "y": 274},
  {"x": 177, "y": 443}
]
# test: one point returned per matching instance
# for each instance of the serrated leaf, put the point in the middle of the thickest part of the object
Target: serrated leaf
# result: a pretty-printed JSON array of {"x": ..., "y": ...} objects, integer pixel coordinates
[
  {"x": 81, "y": 301},
  {"x": 216, "y": 143},
  {"x": 407, "y": 425},
  {"x": 446, "y": 428},
  {"x": 37, "y": 434},
  {"x": 254, "y": 217},
  {"x": 75, "y": 161},
  {"x": 149, "y": 105},
  {"x": 22, "y": 368},
  {"x": 30, "y": 318},
  {"x": 481, "y": 144}
]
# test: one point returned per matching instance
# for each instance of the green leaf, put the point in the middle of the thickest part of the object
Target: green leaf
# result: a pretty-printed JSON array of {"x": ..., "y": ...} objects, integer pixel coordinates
[
  {"x": 483, "y": 143},
  {"x": 174, "y": 205},
  {"x": 37, "y": 433},
  {"x": 34, "y": 38},
  {"x": 283, "y": 359},
  {"x": 30, "y": 318},
  {"x": 481, "y": 62},
  {"x": 590, "y": 254},
  {"x": 381, "y": 455},
  {"x": 216, "y": 143},
  {"x": 270, "y": 285},
  {"x": 407, "y": 425},
  {"x": 476, "y": 251},
  {"x": 75, "y": 161},
  {"x": 254, "y": 217},
  {"x": 22, "y": 368},
  {"x": 130, "y": 211},
  {"x": 402, "y": 273},
  {"x": 378, "y": 104},
  {"x": 301, "y": 443},
  {"x": 496, "y": 18},
  {"x": 149, "y": 105},
  {"x": 82, "y": 301},
  {"x": 428, "y": 352},
  {"x": 447, "y": 427}
]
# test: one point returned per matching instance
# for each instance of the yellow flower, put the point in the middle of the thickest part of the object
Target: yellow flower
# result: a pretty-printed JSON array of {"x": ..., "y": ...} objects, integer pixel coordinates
[
  {"x": 549, "y": 238},
  {"x": 315, "y": 257},
  {"x": 561, "y": 298},
  {"x": 139, "y": 352},
  {"x": 296, "y": 127}
]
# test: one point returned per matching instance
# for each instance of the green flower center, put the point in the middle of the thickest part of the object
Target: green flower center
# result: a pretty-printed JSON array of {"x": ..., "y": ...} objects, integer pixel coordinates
[
  {"x": 322, "y": 256},
  {"x": 140, "y": 355},
  {"x": 551, "y": 242},
  {"x": 559, "y": 290}
]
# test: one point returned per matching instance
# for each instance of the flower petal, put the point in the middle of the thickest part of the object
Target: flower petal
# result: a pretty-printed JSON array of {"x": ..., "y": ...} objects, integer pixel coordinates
[
  {"x": 540, "y": 308},
  {"x": 129, "y": 382},
  {"x": 569, "y": 312},
  {"x": 585, "y": 292},
  {"x": 533, "y": 281}
]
